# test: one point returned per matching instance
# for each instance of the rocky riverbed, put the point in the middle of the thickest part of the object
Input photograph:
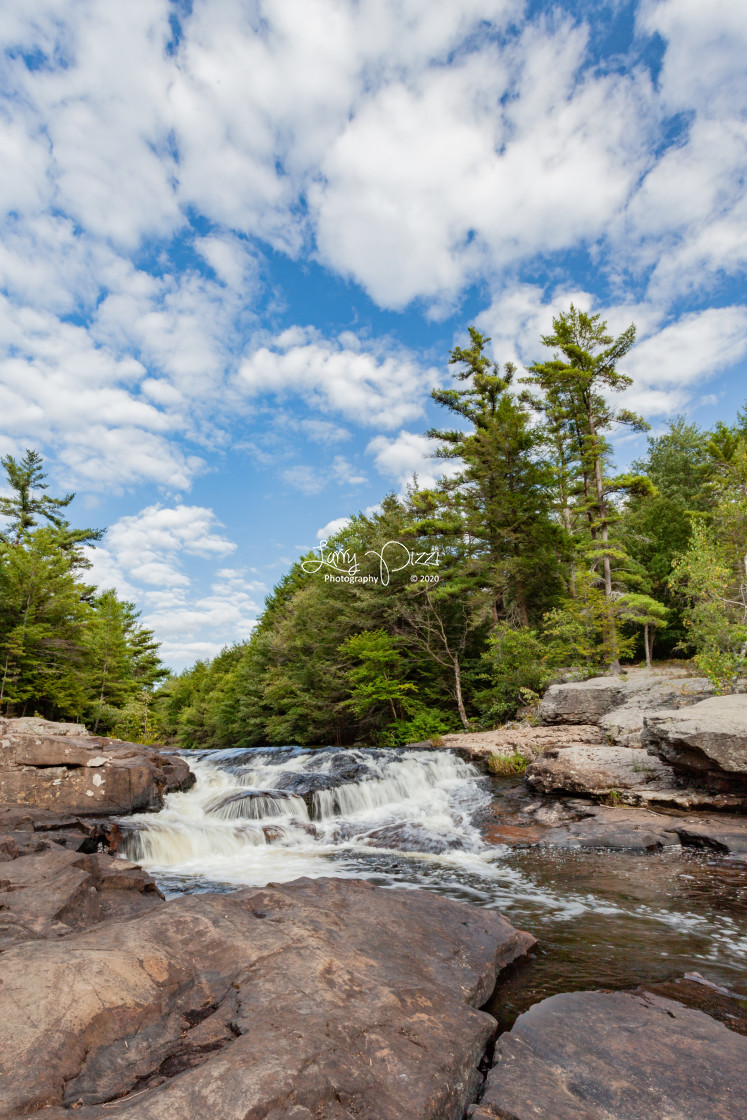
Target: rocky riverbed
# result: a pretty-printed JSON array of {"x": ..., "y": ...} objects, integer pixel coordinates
[{"x": 316, "y": 990}]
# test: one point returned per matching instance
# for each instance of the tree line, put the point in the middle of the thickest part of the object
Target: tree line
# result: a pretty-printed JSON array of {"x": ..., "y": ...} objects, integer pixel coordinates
[
  {"x": 67, "y": 650},
  {"x": 549, "y": 560}
]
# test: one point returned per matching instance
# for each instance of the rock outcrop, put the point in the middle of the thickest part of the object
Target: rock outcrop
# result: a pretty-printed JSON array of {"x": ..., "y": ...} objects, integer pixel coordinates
[
  {"x": 523, "y": 738},
  {"x": 617, "y": 703},
  {"x": 616, "y": 1056},
  {"x": 315, "y": 1000},
  {"x": 57, "y": 892},
  {"x": 60, "y": 767},
  {"x": 625, "y": 774},
  {"x": 707, "y": 741}
]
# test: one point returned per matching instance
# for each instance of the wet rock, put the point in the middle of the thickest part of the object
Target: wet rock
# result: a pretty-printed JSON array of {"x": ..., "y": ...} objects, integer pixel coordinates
[
  {"x": 599, "y": 699},
  {"x": 616, "y": 1056},
  {"x": 83, "y": 774},
  {"x": 55, "y": 892},
  {"x": 253, "y": 804},
  {"x": 707, "y": 740},
  {"x": 616, "y": 829},
  {"x": 320, "y": 999},
  {"x": 726, "y": 835}
]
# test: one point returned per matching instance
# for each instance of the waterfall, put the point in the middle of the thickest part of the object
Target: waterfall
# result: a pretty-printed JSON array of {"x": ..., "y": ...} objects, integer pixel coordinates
[{"x": 273, "y": 814}]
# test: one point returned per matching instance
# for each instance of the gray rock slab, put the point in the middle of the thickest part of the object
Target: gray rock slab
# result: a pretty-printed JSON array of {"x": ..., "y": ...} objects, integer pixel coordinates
[{"x": 707, "y": 738}]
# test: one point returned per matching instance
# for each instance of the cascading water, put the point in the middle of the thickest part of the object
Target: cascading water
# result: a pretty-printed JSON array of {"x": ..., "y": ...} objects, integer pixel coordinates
[
  {"x": 261, "y": 815},
  {"x": 409, "y": 818}
]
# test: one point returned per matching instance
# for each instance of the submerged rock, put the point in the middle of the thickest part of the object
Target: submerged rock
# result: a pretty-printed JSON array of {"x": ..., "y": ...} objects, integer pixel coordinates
[
  {"x": 616, "y": 1056},
  {"x": 315, "y": 1000},
  {"x": 708, "y": 740},
  {"x": 84, "y": 774}
]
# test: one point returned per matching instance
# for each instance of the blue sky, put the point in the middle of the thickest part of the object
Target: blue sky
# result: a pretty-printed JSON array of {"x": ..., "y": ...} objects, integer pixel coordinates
[{"x": 239, "y": 239}]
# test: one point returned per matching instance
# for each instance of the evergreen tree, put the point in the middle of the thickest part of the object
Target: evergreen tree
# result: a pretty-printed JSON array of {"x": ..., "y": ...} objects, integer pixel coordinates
[
  {"x": 573, "y": 385},
  {"x": 44, "y": 611},
  {"x": 498, "y": 502}
]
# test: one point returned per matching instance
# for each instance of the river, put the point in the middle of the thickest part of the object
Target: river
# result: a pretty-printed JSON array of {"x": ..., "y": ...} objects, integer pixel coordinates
[{"x": 411, "y": 819}]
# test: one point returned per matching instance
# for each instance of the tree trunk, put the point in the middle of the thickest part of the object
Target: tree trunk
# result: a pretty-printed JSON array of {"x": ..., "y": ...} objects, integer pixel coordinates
[
  {"x": 647, "y": 644},
  {"x": 458, "y": 692}
]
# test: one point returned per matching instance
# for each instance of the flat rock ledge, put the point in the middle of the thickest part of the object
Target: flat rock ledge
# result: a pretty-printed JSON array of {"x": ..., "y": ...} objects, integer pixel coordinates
[
  {"x": 62, "y": 768},
  {"x": 628, "y": 775},
  {"x": 616, "y": 1056},
  {"x": 319, "y": 999}
]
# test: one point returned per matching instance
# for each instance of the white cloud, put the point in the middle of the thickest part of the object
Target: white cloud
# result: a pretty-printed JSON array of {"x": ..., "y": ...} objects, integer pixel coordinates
[
  {"x": 408, "y": 454},
  {"x": 345, "y": 472},
  {"x": 308, "y": 479},
  {"x": 414, "y": 146},
  {"x": 670, "y": 364},
  {"x": 332, "y": 528},
  {"x": 372, "y": 386},
  {"x": 142, "y": 557},
  {"x": 320, "y": 431}
]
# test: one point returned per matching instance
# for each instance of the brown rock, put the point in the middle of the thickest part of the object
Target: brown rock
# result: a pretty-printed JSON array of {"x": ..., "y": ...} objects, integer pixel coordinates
[
  {"x": 314, "y": 1000},
  {"x": 636, "y": 688},
  {"x": 626, "y": 774},
  {"x": 616, "y": 1056},
  {"x": 523, "y": 739},
  {"x": 83, "y": 774},
  {"x": 55, "y": 892}
]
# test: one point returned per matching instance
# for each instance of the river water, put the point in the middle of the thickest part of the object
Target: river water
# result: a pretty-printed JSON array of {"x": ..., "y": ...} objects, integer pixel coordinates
[{"x": 411, "y": 819}]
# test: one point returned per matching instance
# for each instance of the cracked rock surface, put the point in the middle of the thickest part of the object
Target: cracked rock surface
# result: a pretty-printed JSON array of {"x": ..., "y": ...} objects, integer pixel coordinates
[
  {"x": 60, "y": 767},
  {"x": 294, "y": 1001}
]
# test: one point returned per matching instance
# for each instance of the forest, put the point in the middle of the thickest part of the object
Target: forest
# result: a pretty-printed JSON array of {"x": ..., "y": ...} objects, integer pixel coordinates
[{"x": 533, "y": 557}]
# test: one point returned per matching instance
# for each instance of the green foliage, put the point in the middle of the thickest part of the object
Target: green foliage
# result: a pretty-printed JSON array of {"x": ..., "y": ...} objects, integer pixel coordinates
[
  {"x": 424, "y": 723},
  {"x": 507, "y": 765},
  {"x": 375, "y": 682},
  {"x": 517, "y": 669},
  {"x": 716, "y": 614},
  {"x": 65, "y": 652},
  {"x": 578, "y": 633},
  {"x": 548, "y": 557}
]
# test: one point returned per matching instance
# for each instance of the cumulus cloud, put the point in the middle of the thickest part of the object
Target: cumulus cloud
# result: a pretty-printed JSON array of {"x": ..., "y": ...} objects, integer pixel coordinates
[
  {"x": 409, "y": 454},
  {"x": 142, "y": 557},
  {"x": 331, "y": 528},
  {"x": 371, "y": 385},
  {"x": 672, "y": 363},
  {"x": 414, "y": 146}
]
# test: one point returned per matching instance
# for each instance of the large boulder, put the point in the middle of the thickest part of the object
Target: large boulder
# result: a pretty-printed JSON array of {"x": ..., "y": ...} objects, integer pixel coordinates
[
  {"x": 617, "y": 702},
  {"x": 314, "y": 1000},
  {"x": 616, "y": 1056},
  {"x": 707, "y": 740},
  {"x": 84, "y": 774}
]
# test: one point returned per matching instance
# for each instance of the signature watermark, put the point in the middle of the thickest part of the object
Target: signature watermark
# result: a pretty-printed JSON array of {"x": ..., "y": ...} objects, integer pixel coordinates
[{"x": 345, "y": 567}]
